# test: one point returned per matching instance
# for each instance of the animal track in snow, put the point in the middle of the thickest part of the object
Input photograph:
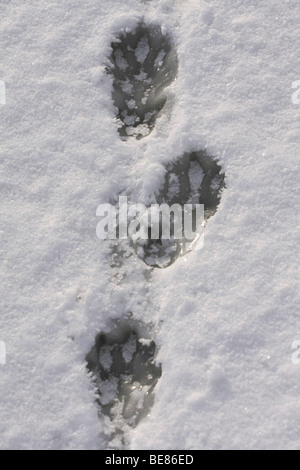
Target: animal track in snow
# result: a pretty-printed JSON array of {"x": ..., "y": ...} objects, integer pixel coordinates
[
  {"x": 123, "y": 366},
  {"x": 143, "y": 64},
  {"x": 195, "y": 178},
  {"x": 122, "y": 362}
]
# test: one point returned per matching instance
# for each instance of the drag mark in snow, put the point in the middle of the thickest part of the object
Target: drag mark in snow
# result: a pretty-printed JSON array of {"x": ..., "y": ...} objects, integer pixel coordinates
[{"x": 143, "y": 64}]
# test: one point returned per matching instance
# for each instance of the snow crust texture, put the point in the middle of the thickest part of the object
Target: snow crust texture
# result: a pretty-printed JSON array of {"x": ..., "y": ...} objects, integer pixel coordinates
[{"x": 143, "y": 64}]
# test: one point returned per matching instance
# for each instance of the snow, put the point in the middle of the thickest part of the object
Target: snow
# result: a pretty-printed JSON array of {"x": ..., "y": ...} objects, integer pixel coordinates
[{"x": 225, "y": 318}]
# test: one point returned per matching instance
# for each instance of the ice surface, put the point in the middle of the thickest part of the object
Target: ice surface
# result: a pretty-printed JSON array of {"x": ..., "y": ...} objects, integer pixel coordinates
[{"x": 227, "y": 316}]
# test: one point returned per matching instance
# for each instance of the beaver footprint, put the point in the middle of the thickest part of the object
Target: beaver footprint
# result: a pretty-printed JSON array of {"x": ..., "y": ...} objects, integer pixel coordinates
[
  {"x": 143, "y": 64},
  {"x": 194, "y": 179},
  {"x": 122, "y": 363}
]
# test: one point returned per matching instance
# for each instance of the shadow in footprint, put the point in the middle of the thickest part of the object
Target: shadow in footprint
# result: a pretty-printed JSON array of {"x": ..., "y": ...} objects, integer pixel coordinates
[
  {"x": 144, "y": 63},
  {"x": 123, "y": 366},
  {"x": 196, "y": 178}
]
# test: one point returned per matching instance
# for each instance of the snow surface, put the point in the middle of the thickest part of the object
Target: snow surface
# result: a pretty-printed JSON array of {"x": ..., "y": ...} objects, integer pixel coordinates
[{"x": 226, "y": 316}]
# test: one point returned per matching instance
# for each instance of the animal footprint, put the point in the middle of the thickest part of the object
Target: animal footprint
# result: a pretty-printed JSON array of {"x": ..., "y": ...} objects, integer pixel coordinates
[
  {"x": 144, "y": 63},
  {"x": 195, "y": 178},
  {"x": 123, "y": 366}
]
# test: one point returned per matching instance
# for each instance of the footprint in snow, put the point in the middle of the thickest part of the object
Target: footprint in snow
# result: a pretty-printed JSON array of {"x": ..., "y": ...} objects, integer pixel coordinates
[
  {"x": 122, "y": 363},
  {"x": 195, "y": 178},
  {"x": 143, "y": 64}
]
